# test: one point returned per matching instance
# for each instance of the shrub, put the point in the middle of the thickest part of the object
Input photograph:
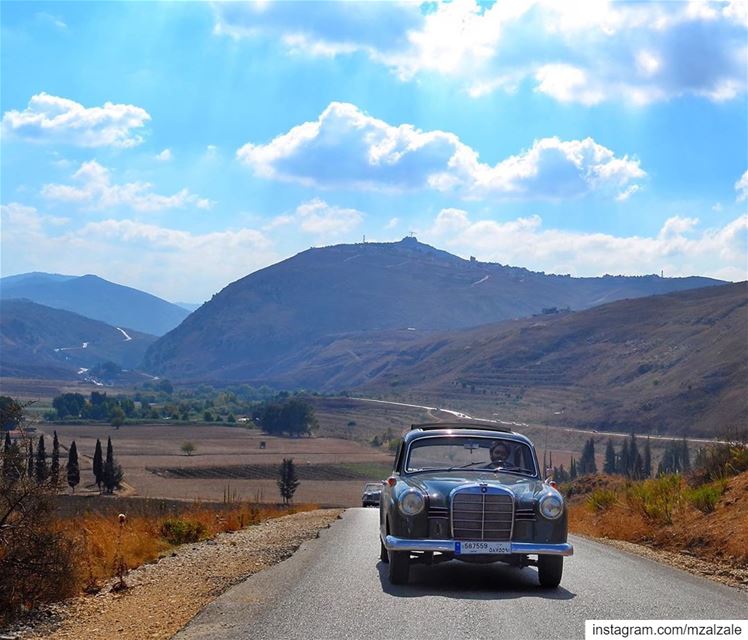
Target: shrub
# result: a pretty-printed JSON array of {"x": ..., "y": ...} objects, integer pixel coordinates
[
  {"x": 706, "y": 497},
  {"x": 601, "y": 499},
  {"x": 720, "y": 461},
  {"x": 657, "y": 499},
  {"x": 37, "y": 562},
  {"x": 178, "y": 531}
]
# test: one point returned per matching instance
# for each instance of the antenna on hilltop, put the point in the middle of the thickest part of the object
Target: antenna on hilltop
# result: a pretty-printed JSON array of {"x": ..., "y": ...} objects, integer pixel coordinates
[
  {"x": 364, "y": 238},
  {"x": 412, "y": 234},
  {"x": 662, "y": 273}
]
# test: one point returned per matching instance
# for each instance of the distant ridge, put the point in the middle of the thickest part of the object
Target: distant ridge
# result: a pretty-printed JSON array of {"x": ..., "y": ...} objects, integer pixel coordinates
[
  {"x": 42, "y": 342},
  {"x": 96, "y": 298},
  {"x": 258, "y": 322}
]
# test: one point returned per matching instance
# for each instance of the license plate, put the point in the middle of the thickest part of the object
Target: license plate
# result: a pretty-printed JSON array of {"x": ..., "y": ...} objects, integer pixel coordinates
[{"x": 465, "y": 548}]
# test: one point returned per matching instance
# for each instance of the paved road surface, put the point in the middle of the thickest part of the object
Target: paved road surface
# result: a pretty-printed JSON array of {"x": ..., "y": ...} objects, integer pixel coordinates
[{"x": 336, "y": 588}]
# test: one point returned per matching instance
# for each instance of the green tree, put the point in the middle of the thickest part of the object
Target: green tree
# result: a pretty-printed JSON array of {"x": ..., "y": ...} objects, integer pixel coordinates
[
  {"x": 624, "y": 460},
  {"x": 54, "y": 469},
  {"x": 290, "y": 416},
  {"x": 12, "y": 460},
  {"x": 685, "y": 455},
  {"x": 188, "y": 448},
  {"x": 11, "y": 413},
  {"x": 98, "y": 464},
  {"x": 30, "y": 460},
  {"x": 112, "y": 471},
  {"x": 573, "y": 473},
  {"x": 587, "y": 464},
  {"x": 610, "y": 458},
  {"x": 117, "y": 417},
  {"x": 635, "y": 469},
  {"x": 647, "y": 462},
  {"x": 41, "y": 471},
  {"x": 287, "y": 480},
  {"x": 69, "y": 404},
  {"x": 73, "y": 468}
]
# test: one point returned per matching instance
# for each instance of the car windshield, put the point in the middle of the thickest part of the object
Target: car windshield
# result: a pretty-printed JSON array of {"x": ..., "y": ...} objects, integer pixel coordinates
[
  {"x": 372, "y": 487},
  {"x": 476, "y": 453}
]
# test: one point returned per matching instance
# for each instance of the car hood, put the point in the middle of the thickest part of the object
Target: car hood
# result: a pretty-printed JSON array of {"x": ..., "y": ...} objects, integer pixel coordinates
[{"x": 438, "y": 485}]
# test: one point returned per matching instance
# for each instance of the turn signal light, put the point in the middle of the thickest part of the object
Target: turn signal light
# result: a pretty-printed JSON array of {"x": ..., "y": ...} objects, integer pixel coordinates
[
  {"x": 553, "y": 484},
  {"x": 391, "y": 481}
]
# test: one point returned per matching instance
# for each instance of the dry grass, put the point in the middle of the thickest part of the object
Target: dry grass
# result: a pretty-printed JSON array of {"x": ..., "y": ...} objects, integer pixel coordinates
[
  {"x": 105, "y": 545},
  {"x": 710, "y": 521}
]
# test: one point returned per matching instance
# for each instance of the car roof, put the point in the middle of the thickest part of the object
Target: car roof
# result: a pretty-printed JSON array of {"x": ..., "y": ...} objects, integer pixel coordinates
[{"x": 464, "y": 428}]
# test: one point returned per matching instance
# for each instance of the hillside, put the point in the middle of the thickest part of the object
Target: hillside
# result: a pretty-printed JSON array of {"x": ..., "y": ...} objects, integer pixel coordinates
[
  {"x": 676, "y": 363},
  {"x": 41, "y": 342},
  {"x": 96, "y": 298},
  {"x": 254, "y": 324}
]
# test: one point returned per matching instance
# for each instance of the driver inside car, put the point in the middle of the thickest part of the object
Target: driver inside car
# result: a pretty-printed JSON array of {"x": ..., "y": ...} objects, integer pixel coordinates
[{"x": 499, "y": 454}]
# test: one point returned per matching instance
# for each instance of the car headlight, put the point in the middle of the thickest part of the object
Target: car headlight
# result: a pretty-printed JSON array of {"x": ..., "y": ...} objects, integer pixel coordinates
[
  {"x": 551, "y": 506},
  {"x": 412, "y": 502}
]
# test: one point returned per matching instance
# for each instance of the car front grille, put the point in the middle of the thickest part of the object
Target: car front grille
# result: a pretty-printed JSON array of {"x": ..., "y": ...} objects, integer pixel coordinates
[
  {"x": 480, "y": 515},
  {"x": 524, "y": 514}
]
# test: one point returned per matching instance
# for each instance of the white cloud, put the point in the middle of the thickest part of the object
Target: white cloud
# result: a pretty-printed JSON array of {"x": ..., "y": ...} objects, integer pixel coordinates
[
  {"x": 165, "y": 156},
  {"x": 54, "y": 20},
  {"x": 681, "y": 247},
  {"x": 392, "y": 223},
  {"x": 96, "y": 191},
  {"x": 320, "y": 218},
  {"x": 741, "y": 186},
  {"x": 117, "y": 249},
  {"x": 627, "y": 193},
  {"x": 346, "y": 148},
  {"x": 50, "y": 119},
  {"x": 574, "y": 52}
]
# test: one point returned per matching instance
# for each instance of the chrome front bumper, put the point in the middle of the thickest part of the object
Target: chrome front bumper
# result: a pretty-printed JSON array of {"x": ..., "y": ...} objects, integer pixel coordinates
[{"x": 392, "y": 543}]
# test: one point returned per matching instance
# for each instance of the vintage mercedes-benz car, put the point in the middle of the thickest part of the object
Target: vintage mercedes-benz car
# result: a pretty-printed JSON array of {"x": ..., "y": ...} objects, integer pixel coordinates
[
  {"x": 472, "y": 492},
  {"x": 370, "y": 496}
]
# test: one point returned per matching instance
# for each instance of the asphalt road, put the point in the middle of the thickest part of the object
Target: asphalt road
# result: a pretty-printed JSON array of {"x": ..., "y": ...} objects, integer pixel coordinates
[{"x": 336, "y": 588}]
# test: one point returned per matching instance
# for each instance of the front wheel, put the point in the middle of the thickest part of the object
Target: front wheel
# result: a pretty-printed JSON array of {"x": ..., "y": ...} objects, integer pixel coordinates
[
  {"x": 383, "y": 553},
  {"x": 399, "y": 567},
  {"x": 550, "y": 569}
]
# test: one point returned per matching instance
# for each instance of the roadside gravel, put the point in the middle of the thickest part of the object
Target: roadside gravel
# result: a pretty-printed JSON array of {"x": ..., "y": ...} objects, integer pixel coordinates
[
  {"x": 724, "y": 572},
  {"x": 162, "y": 597}
]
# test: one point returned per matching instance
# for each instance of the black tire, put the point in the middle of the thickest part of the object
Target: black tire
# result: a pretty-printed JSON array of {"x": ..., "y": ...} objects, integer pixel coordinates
[
  {"x": 399, "y": 567},
  {"x": 384, "y": 555},
  {"x": 550, "y": 569}
]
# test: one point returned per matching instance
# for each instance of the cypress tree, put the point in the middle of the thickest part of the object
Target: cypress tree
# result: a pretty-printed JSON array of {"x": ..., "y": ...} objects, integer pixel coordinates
[
  {"x": 42, "y": 473},
  {"x": 573, "y": 468},
  {"x": 98, "y": 464},
  {"x": 287, "y": 482},
  {"x": 633, "y": 455},
  {"x": 686, "y": 456},
  {"x": 610, "y": 458},
  {"x": 54, "y": 470},
  {"x": 592, "y": 465},
  {"x": 12, "y": 459},
  {"x": 73, "y": 469},
  {"x": 30, "y": 463},
  {"x": 624, "y": 461},
  {"x": 112, "y": 471},
  {"x": 647, "y": 465}
]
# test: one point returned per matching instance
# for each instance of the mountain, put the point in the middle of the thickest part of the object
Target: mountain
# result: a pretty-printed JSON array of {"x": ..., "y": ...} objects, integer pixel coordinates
[
  {"x": 96, "y": 298},
  {"x": 190, "y": 306},
  {"x": 42, "y": 342},
  {"x": 675, "y": 363},
  {"x": 255, "y": 323}
]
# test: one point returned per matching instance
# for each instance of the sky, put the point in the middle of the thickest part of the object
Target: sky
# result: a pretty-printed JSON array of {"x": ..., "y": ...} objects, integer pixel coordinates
[{"x": 176, "y": 147}]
